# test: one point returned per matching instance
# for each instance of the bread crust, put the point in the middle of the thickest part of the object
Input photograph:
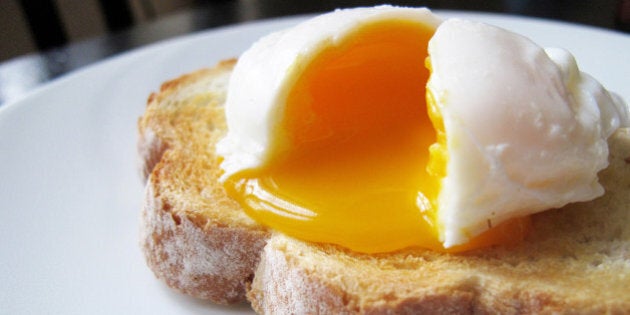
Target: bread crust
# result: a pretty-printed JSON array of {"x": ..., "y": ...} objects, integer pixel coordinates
[
  {"x": 208, "y": 258},
  {"x": 209, "y": 262}
]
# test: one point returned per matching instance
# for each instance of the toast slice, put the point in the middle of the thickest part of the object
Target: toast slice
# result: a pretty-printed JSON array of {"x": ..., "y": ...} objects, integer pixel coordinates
[
  {"x": 199, "y": 241},
  {"x": 194, "y": 237}
]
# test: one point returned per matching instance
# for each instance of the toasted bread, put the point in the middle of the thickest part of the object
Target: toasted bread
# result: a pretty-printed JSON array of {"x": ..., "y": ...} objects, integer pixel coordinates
[
  {"x": 199, "y": 241},
  {"x": 195, "y": 238}
]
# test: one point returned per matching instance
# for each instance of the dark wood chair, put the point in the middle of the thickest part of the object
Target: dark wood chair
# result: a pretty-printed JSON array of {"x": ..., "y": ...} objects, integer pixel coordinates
[{"x": 47, "y": 27}]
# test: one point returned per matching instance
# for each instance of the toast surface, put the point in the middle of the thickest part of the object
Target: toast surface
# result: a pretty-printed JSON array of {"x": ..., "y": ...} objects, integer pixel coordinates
[
  {"x": 194, "y": 237},
  {"x": 199, "y": 241}
]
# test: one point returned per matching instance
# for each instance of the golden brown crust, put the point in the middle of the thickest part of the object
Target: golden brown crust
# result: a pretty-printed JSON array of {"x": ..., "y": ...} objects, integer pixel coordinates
[
  {"x": 194, "y": 238},
  {"x": 209, "y": 262}
]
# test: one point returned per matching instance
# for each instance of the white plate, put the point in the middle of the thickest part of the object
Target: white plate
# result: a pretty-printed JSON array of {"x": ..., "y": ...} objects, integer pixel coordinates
[{"x": 70, "y": 193}]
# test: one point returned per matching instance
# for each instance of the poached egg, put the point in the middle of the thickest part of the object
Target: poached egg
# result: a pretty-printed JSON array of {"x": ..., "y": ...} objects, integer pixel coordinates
[{"x": 383, "y": 128}]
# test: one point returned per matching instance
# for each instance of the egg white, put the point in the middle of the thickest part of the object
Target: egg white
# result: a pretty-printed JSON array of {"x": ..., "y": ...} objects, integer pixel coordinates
[
  {"x": 266, "y": 72},
  {"x": 526, "y": 130}
]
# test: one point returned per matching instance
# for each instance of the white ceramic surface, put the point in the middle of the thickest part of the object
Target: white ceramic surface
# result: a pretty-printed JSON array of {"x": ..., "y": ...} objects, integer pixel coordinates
[{"x": 70, "y": 192}]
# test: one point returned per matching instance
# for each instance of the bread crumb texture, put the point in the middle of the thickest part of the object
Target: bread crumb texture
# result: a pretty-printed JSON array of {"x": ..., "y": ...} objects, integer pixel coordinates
[{"x": 194, "y": 237}]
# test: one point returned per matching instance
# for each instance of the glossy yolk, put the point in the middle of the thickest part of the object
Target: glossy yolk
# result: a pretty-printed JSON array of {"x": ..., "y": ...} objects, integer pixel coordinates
[{"x": 356, "y": 170}]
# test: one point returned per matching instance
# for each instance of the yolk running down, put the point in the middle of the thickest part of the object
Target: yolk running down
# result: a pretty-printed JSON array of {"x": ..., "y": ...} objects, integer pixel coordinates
[{"x": 354, "y": 172}]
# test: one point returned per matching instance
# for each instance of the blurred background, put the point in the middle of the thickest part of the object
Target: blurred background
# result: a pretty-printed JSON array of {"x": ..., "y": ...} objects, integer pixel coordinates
[{"x": 43, "y": 39}]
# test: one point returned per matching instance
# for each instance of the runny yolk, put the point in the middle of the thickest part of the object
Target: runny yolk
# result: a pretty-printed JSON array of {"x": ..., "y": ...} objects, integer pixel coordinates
[{"x": 355, "y": 169}]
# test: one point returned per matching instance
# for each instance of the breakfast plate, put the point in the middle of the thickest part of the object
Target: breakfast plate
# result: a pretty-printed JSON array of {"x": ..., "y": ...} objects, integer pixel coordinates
[{"x": 70, "y": 191}]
